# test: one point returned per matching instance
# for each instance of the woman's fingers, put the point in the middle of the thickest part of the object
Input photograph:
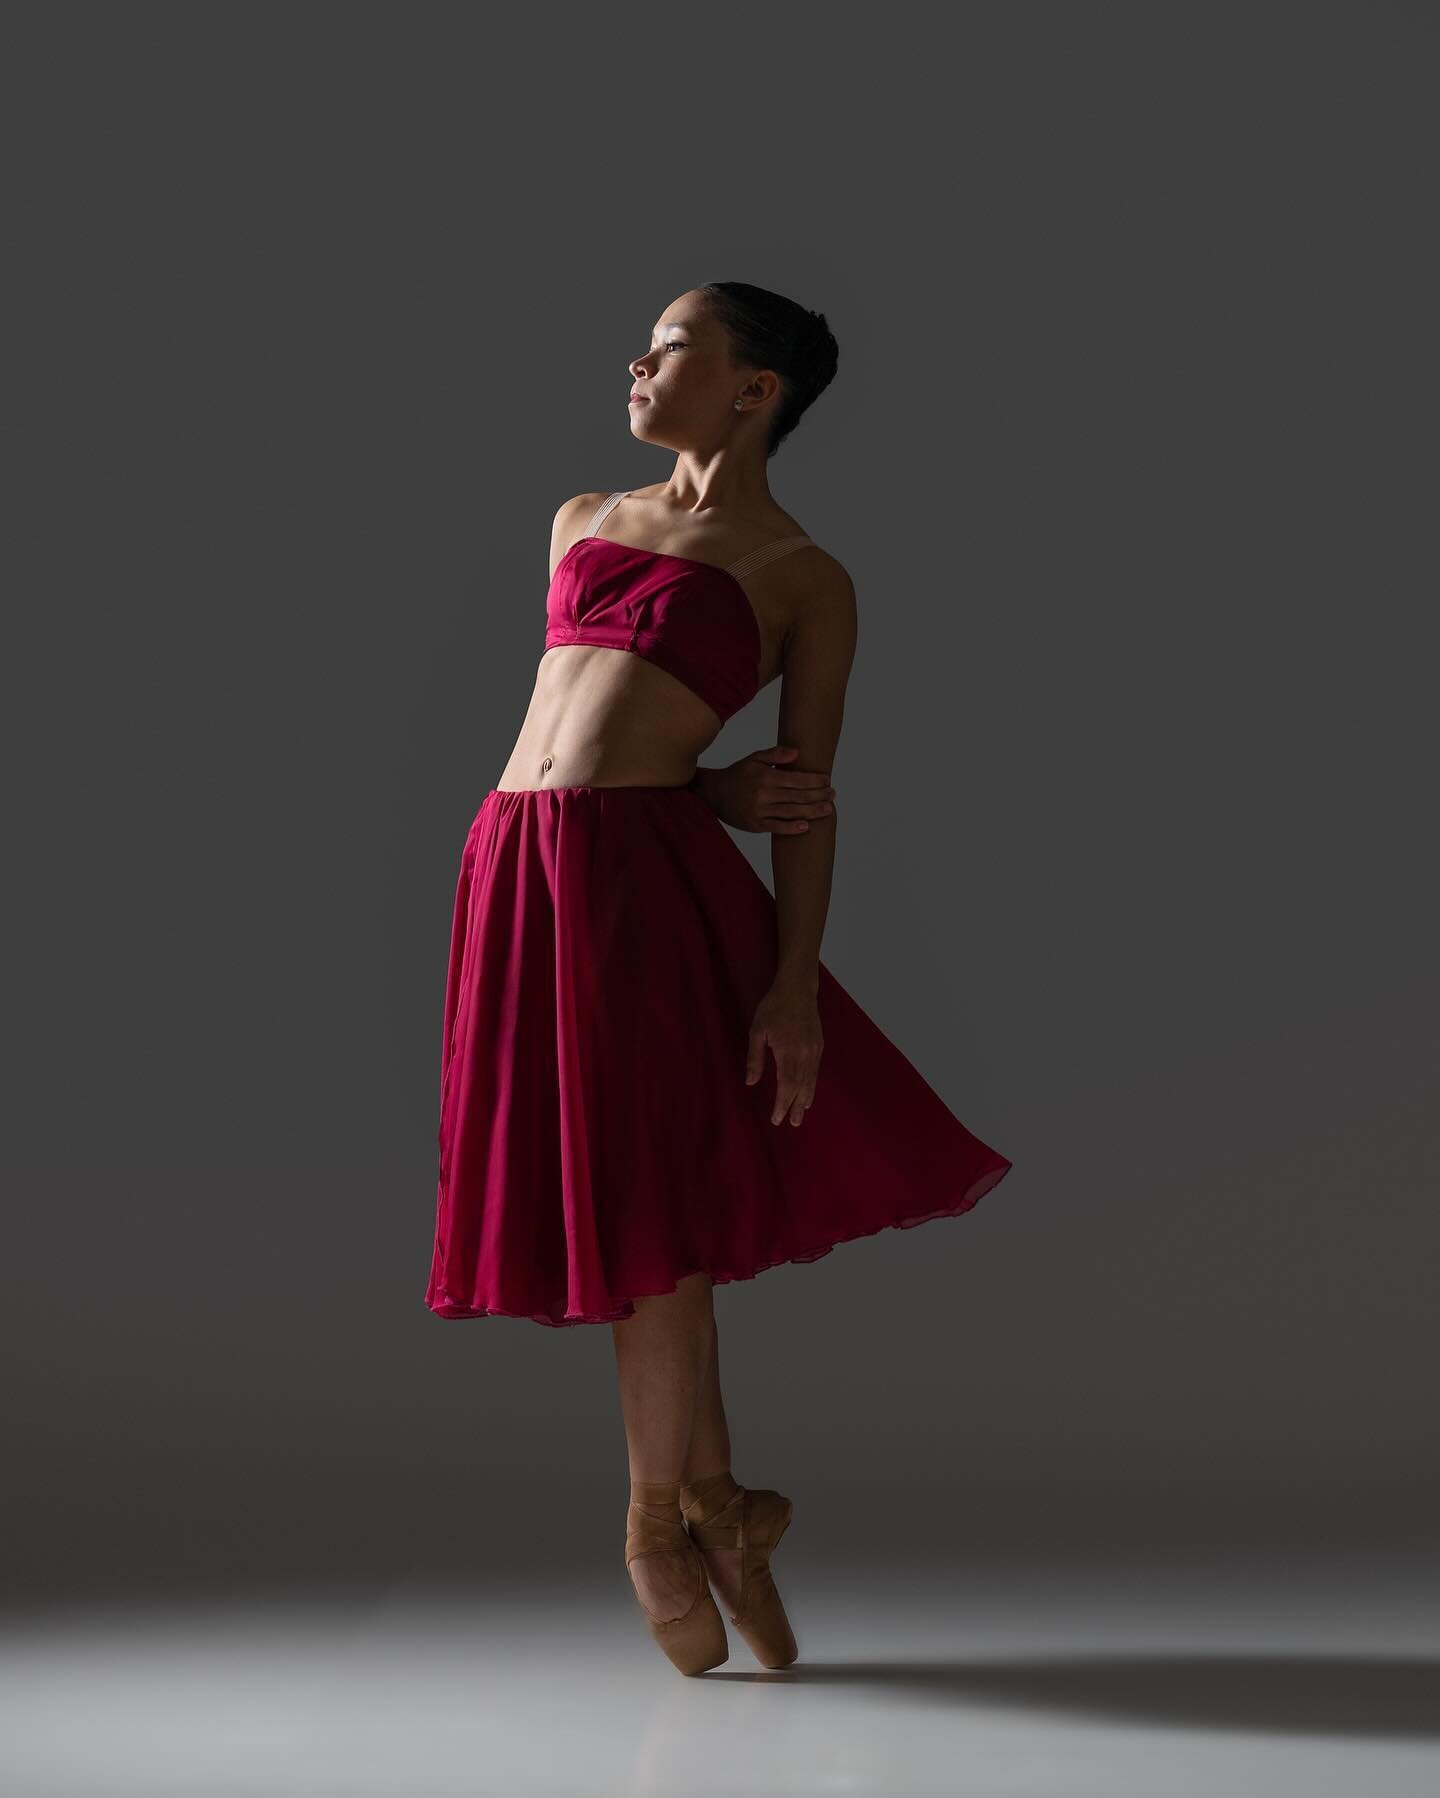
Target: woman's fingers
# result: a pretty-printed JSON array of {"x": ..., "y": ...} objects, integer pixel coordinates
[
  {"x": 794, "y": 1087},
  {"x": 800, "y": 787},
  {"x": 795, "y": 805},
  {"x": 783, "y": 800},
  {"x": 789, "y": 807},
  {"x": 784, "y": 815}
]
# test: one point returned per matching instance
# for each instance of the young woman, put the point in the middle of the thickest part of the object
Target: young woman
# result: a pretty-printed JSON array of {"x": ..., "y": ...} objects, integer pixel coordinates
[{"x": 650, "y": 1083}]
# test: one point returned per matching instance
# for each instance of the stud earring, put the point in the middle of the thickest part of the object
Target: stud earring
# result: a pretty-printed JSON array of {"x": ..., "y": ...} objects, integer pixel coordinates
[{"x": 739, "y": 405}]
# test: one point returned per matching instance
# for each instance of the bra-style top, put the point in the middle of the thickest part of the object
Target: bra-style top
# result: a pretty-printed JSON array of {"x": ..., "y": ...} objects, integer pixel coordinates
[{"x": 693, "y": 619}]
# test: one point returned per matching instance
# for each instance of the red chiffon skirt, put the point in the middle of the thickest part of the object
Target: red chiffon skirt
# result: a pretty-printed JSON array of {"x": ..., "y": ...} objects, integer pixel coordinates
[{"x": 597, "y": 1139}]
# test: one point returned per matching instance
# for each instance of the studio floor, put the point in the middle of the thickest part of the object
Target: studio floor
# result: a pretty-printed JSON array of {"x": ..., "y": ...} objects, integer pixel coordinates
[{"x": 1178, "y": 1684}]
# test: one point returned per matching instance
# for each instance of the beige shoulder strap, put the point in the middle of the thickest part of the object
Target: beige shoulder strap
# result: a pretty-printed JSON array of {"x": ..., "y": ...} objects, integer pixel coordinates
[
  {"x": 767, "y": 552},
  {"x": 606, "y": 506}
]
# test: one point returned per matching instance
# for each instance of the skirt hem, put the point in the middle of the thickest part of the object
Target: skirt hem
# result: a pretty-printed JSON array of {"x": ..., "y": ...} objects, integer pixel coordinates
[{"x": 455, "y": 1310}]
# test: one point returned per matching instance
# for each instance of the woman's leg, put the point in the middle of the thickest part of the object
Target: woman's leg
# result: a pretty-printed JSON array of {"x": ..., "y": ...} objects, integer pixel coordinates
[
  {"x": 662, "y": 1355},
  {"x": 709, "y": 1455},
  {"x": 709, "y": 1450}
]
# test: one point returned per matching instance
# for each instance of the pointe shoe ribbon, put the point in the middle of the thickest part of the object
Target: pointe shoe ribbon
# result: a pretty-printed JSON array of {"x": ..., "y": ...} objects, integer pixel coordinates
[{"x": 752, "y": 1519}]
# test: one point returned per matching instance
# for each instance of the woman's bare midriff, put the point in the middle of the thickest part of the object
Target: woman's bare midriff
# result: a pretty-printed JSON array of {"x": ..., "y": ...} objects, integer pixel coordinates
[{"x": 607, "y": 718}]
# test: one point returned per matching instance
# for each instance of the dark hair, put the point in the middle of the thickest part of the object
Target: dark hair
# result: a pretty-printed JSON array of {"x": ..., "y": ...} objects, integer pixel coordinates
[{"x": 770, "y": 331}]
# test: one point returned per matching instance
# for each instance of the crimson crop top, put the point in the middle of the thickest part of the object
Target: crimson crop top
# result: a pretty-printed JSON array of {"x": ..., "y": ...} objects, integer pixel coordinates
[{"x": 693, "y": 619}]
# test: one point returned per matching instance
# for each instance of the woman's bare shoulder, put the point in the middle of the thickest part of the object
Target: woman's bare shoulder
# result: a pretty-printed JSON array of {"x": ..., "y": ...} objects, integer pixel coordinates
[
  {"x": 571, "y": 519},
  {"x": 578, "y": 510},
  {"x": 822, "y": 575}
]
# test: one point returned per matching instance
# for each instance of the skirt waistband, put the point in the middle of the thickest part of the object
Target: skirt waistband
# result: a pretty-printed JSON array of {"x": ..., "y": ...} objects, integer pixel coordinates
[{"x": 539, "y": 792}]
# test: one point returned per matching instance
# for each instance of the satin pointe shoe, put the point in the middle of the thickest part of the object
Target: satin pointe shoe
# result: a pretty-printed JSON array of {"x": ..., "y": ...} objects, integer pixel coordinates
[
  {"x": 721, "y": 1514},
  {"x": 695, "y": 1641}
]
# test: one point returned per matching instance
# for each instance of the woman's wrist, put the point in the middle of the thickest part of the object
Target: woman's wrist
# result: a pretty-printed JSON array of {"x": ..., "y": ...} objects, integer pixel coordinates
[{"x": 801, "y": 976}]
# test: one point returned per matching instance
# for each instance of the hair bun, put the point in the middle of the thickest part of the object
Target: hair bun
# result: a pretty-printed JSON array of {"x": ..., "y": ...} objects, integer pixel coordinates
[{"x": 770, "y": 330}]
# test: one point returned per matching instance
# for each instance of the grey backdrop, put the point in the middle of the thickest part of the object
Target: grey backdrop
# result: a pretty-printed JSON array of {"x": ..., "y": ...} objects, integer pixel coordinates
[{"x": 323, "y": 311}]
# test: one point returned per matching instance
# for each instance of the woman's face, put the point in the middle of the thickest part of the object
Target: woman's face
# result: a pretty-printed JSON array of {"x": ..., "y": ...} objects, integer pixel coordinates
[{"x": 685, "y": 385}]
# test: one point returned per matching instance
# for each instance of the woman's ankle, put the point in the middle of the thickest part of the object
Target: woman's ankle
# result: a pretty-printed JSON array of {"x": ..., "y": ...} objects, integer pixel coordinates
[{"x": 709, "y": 1493}]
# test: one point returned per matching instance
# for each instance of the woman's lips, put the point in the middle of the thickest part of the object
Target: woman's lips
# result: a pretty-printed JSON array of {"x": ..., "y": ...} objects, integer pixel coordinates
[{"x": 638, "y": 399}]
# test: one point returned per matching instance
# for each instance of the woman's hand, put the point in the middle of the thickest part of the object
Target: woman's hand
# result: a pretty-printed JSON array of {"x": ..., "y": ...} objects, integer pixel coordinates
[
  {"x": 787, "y": 1021},
  {"x": 752, "y": 795}
]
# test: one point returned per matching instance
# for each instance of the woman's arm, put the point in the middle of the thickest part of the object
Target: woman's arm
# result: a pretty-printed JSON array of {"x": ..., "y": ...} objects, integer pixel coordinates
[{"x": 818, "y": 656}]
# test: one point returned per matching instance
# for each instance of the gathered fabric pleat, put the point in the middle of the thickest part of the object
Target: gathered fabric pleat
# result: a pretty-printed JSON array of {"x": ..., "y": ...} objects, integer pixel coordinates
[{"x": 597, "y": 1139}]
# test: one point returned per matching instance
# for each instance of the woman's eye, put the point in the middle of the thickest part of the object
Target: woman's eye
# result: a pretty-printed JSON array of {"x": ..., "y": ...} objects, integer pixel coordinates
[{"x": 674, "y": 345}]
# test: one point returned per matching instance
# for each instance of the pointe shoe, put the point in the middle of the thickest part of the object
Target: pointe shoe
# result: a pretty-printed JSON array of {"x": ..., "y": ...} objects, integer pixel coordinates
[
  {"x": 695, "y": 1641},
  {"x": 722, "y": 1514}
]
